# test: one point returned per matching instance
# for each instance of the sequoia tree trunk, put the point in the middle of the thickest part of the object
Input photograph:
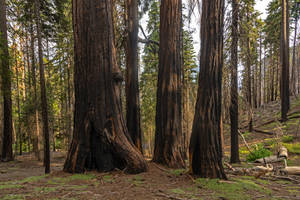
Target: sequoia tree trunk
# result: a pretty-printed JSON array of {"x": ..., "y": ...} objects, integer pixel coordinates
[
  {"x": 43, "y": 90},
  {"x": 234, "y": 115},
  {"x": 100, "y": 139},
  {"x": 205, "y": 151},
  {"x": 7, "y": 152},
  {"x": 284, "y": 58},
  {"x": 132, "y": 83},
  {"x": 168, "y": 133}
]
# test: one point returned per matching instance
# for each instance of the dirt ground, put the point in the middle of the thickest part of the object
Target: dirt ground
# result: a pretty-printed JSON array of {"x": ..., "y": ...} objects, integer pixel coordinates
[{"x": 24, "y": 179}]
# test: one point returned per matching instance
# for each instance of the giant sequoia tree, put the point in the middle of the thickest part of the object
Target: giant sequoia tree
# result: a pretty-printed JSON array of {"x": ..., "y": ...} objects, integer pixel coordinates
[
  {"x": 205, "y": 147},
  {"x": 7, "y": 152},
  {"x": 100, "y": 138},
  {"x": 132, "y": 83},
  {"x": 168, "y": 135},
  {"x": 284, "y": 58},
  {"x": 234, "y": 115}
]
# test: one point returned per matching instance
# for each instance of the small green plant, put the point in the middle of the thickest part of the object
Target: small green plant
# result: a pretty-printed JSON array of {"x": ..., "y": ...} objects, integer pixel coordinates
[
  {"x": 287, "y": 138},
  {"x": 32, "y": 179},
  {"x": 177, "y": 172},
  {"x": 177, "y": 191},
  {"x": 82, "y": 177},
  {"x": 257, "y": 153},
  {"x": 107, "y": 178}
]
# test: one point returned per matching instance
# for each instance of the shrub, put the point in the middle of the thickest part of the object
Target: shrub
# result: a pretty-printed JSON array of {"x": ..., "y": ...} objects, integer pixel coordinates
[
  {"x": 257, "y": 153},
  {"x": 287, "y": 138}
]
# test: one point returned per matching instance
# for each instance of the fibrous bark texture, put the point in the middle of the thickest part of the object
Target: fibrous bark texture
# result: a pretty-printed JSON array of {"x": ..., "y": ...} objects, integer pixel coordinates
[
  {"x": 7, "y": 152},
  {"x": 284, "y": 58},
  {"x": 132, "y": 83},
  {"x": 205, "y": 152},
  {"x": 168, "y": 134},
  {"x": 234, "y": 86},
  {"x": 100, "y": 138}
]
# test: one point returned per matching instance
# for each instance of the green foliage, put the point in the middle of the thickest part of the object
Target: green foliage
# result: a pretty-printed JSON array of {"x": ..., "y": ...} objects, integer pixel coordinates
[
  {"x": 258, "y": 152},
  {"x": 107, "y": 178},
  {"x": 287, "y": 138},
  {"x": 292, "y": 148}
]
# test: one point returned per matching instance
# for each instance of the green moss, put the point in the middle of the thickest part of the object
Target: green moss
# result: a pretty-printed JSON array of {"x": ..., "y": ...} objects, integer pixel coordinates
[
  {"x": 13, "y": 197},
  {"x": 177, "y": 172},
  {"x": 78, "y": 187},
  {"x": 32, "y": 179},
  {"x": 237, "y": 189},
  {"x": 57, "y": 181},
  {"x": 45, "y": 190},
  {"x": 177, "y": 191},
  {"x": 8, "y": 186},
  {"x": 107, "y": 178},
  {"x": 82, "y": 177}
]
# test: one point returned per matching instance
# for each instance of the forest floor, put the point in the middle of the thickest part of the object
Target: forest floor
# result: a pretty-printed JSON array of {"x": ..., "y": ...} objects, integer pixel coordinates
[{"x": 24, "y": 178}]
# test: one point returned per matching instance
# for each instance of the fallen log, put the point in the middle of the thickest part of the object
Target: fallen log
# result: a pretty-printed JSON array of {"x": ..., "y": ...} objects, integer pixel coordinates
[
  {"x": 283, "y": 152},
  {"x": 270, "y": 159},
  {"x": 263, "y": 132},
  {"x": 295, "y": 170}
]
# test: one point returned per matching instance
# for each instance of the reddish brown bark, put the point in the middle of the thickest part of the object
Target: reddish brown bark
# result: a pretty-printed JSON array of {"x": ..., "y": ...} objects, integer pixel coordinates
[
  {"x": 132, "y": 83},
  {"x": 168, "y": 135},
  {"x": 205, "y": 149},
  {"x": 7, "y": 152},
  {"x": 100, "y": 138}
]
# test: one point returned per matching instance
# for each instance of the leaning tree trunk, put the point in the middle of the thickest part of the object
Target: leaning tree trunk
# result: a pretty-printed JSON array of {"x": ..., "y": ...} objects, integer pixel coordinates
[
  {"x": 132, "y": 83},
  {"x": 43, "y": 90},
  {"x": 100, "y": 138},
  {"x": 205, "y": 151},
  {"x": 168, "y": 134},
  {"x": 284, "y": 58},
  {"x": 234, "y": 115},
  {"x": 7, "y": 152}
]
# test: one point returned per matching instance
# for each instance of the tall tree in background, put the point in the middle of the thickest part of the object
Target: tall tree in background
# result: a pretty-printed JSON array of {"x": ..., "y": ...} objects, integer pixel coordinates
[
  {"x": 7, "y": 152},
  {"x": 43, "y": 89},
  {"x": 284, "y": 58},
  {"x": 234, "y": 108},
  {"x": 100, "y": 138},
  {"x": 294, "y": 77},
  {"x": 132, "y": 83},
  {"x": 205, "y": 151},
  {"x": 168, "y": 134}
]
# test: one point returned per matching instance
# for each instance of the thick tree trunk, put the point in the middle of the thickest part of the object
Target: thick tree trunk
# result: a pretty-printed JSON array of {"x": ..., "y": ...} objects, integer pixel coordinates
[
  {"x": 168, "y": 133},
  {"x": 205, "y": 146},
  {"x": 101, "y": 140},
  {"x": 132, "y": 83},
  {"x": 249, "y": 92},
  {"x": 234, "y": 115},
  {"x": 284, "y": 58},
  {"x": 43, "y": 90},
  {"x": 294, "y": 78},
  {"x": 7, "y": 152},
  {"x": 259, "y": 99},
  {"x": 36, "y": 137}
]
